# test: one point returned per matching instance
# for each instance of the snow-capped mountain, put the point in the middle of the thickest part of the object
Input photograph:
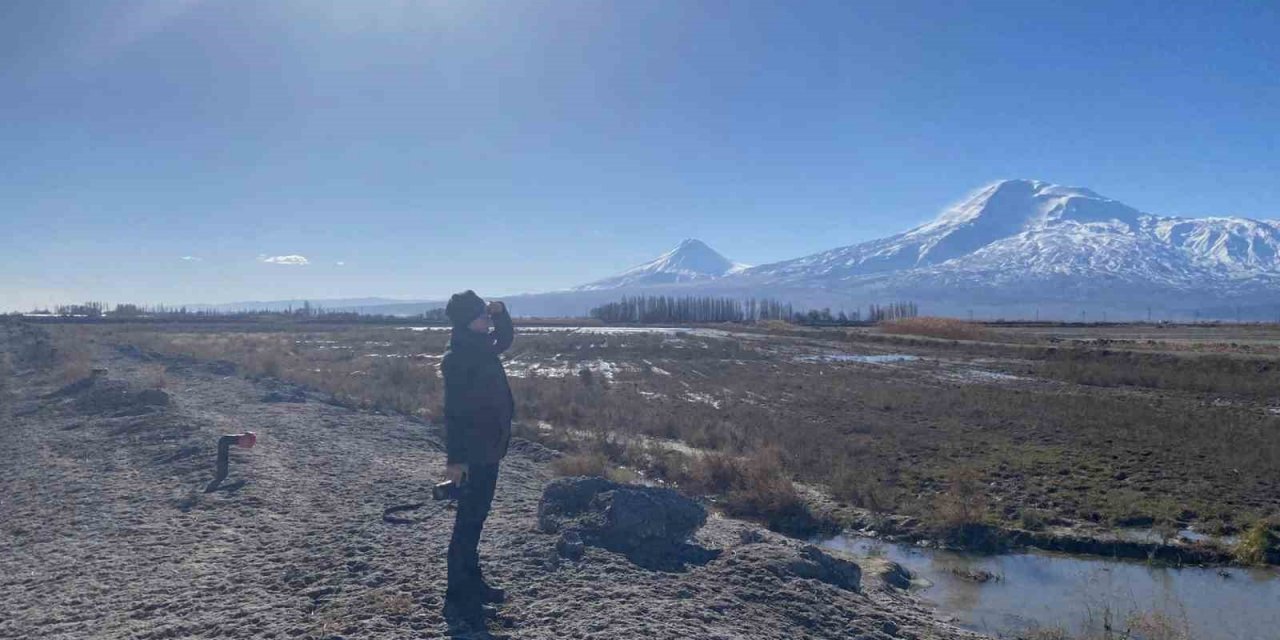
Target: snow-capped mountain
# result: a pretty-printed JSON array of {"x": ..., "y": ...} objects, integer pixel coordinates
[
  {"x": 690, "y": 261},
  {"x": 997, "y": 212},
  {"x": 1014, "y": 249},
  {"x": 1030, "y": 241}
]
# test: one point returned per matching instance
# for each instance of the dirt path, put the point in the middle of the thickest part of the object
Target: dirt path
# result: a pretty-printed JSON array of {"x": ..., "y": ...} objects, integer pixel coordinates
[{"x": 107, "y": 532}]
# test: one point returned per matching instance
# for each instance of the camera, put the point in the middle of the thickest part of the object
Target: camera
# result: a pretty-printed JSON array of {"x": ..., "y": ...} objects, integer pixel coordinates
[{"x": 447, "y": 490}]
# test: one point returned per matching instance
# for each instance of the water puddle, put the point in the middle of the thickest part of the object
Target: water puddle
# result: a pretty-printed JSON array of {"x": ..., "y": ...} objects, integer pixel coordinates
[
  {"x": 1017, "y": 593},
  {"x": 885, "y": 358}
]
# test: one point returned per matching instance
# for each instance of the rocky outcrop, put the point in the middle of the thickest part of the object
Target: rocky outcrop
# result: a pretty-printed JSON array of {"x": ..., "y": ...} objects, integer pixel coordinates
[
  {"x": 649, "y": 525},
  {"x": 798, "y": 561}
]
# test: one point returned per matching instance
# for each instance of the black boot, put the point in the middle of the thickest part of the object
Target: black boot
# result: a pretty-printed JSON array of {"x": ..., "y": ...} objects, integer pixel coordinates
[
  {"x": 491, "y": 595},
  {"x": 464, "y": 612}
]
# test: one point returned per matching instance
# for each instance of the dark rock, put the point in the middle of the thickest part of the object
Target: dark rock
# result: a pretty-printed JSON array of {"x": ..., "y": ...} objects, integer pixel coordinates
[
  {"x": 292, "y": 396},
  {"x": 152, "y": 398},
  {"x": 974, "y": 575},
  {"x": 221, "y": 368},
  {"x": 98, "y": 394},
  {"x": 897, "y": 576},
  {"x": 280, "y": 391},
  {"x": 649, "y": 525}
]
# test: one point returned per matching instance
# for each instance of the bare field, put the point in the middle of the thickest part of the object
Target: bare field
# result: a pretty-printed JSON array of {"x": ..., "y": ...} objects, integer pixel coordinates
[{"x": 1026, "y": 427}]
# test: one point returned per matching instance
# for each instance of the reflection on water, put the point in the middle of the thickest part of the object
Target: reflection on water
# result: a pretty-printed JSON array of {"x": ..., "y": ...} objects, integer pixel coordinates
[{"x": 1038, "y": 589}]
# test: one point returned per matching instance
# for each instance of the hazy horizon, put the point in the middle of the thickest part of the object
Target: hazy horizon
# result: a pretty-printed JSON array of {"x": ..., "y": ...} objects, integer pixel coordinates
[{"x": 196, "y": 152}]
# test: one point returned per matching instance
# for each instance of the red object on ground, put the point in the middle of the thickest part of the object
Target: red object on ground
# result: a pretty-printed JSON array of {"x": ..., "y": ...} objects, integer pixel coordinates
[{"x": 247, "y": 440}]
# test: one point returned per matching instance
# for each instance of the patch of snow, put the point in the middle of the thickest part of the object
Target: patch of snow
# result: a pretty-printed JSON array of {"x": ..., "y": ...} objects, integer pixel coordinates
[
  {"x": 981, "y": 375},
  {"x": 703, "y": 398},
  {"x": 602, "y": 368}
]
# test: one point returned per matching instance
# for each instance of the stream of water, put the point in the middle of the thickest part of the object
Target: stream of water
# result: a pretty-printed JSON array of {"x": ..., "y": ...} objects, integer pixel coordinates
[{"x": 1046, "y": 590}]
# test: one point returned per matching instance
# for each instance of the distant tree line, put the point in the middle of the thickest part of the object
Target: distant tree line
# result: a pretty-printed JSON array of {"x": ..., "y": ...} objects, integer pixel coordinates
[
  {"x": 668, "y": 309},
  {"x": 892, "y": 311},
  {"x": 306, "y": 312},
  {"x": 659, "y": 309}
]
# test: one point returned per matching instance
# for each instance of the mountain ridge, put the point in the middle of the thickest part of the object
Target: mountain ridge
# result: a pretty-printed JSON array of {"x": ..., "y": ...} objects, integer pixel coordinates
[
  {"x": 1009, "y": 249},
  {"x": 1027, "y": 230}
]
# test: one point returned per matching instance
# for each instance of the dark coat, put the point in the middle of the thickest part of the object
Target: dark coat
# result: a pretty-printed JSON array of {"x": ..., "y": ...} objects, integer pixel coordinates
[{"x": 477, "y": 398}]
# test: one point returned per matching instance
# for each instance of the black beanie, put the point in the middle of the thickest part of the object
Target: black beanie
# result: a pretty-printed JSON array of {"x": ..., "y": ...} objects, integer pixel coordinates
[{"x": 464, "y": 307}]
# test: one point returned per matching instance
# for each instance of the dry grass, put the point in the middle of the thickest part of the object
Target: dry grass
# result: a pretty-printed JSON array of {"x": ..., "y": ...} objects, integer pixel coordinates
[
  {"x": 154, "y": 377},
  {"x": 931, "y": 327},
  {"x": 592, "y": 464},
  {"x": 1104, "y": 625},
  {"x": 757, "y": 486},
  {"x": 1256, "y": 543},
  {"x": 964, "y": 502},
  {"x": 581, "y": 464},
  {"x": 1159, "y": 626},
  {"x": 73, "y": 356},
  {"x": 882, "y": 442},
  {"x": 1233, "y": 375}
]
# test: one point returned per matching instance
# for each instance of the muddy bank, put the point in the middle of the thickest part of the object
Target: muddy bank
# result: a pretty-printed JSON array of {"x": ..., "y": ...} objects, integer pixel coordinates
[
  {"x": 1130, "y": 544},
  {"x": 112, "y": 536}
]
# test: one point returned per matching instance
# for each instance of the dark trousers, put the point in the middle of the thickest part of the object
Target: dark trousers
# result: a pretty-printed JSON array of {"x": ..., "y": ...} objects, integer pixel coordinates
[{"x": 473, "y": 507}]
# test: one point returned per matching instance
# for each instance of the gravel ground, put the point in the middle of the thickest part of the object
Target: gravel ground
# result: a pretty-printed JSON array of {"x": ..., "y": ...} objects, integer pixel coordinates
[{"x": 106, "y": 530}]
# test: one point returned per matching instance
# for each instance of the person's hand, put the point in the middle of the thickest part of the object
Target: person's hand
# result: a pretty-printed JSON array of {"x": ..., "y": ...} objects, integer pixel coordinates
[
  {"x": 456, "y": 473},
  {"x": 496, "y": 307}
]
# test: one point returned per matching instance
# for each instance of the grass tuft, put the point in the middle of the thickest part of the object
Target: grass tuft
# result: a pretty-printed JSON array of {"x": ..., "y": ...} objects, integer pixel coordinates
[{"x": 931, "y": 327}]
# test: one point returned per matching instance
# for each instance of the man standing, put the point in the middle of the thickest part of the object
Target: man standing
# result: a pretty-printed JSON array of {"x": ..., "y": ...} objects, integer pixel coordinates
[{"x": 477, "y": 410}]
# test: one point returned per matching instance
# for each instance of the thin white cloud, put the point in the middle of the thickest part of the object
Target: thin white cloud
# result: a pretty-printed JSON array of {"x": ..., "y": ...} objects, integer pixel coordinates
[
  {"x": 340, "y": 263},
  {"x": 190, "y": 259},
  {"x": 292, "y": 260}
]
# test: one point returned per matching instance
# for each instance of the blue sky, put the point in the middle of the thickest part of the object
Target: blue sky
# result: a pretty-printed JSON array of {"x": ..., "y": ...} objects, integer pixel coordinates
[{"x": 520, "y": 146}]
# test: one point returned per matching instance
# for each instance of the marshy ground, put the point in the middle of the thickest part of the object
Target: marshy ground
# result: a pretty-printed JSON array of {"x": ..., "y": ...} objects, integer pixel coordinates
[
  {"x": 1154, "y": 436},
  {"x": 1161, "y": 428}
]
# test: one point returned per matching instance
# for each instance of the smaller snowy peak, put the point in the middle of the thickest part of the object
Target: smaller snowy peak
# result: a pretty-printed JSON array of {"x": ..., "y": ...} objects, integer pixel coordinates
[
  {"x": 690, "y": 256},
  {"x": 689, "y": 261}
]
